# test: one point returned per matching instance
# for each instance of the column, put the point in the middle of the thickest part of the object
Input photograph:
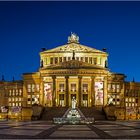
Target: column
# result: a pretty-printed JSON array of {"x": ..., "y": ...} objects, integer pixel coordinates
[
  {"x": 54, "y": 94},
  {"x": 92, "y": 91},
  {"x": 79, "y": 90},
  {"x": 67, "y": 91}
]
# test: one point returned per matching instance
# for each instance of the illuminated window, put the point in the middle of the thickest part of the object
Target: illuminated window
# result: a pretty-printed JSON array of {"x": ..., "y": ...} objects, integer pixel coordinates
[
  {"x": 60, "y": 59},
  {"x": 77, "y": 58},
  {"x": 126, "y": 99},
  {"x": 16, "y": 99},
  {"x": 13, "y": 99},
  {"x": 90, "y": 60},
  {"x": 133, "y": 100},
  {"x": 29, "y": 102},
  {"x": 95, "y": 61},
  {"x": 9, "y": 104},
  {"x": 85, "y": 87},
  {"x": 13, "y": 104},
  {"x": 16, "y": 91},
  {"x": 51, "y": 60},
  {"x": 61, "y": 87},
  {"x": 109, "y": 87},
  {"x": 69, "y": 58},
  {"x": 129, "y": 104},
  {"x": 9, "y": 99},
  {"x": 64, "y": 58},
  {"x": 29, "y": 87},
  {"x": 19, "y": 104},
  {"x": 126, "y": 104},
  {"x": 56, "y": 60},
  {"x": 132, "y": 104},
  {"x": 20, "y": 92},
  {"x": 129, "y": 99},
  {"x": 33, "y": 88},
  {"x": 16, "y": 104},
  {"x": 73, "y": 87},
  {"x": 37, "y": 87},
  {"x": 19, "y": 99},
  {"x": 113, "y": 87},
  {"x": 118, "y": 87},
  {"x": 118, "y": 103},
  {"x": 86, "y": 59}
]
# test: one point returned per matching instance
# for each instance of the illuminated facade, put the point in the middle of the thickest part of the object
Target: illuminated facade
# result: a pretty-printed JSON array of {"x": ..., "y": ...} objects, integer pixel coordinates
[{"x": 72, "y": 70}]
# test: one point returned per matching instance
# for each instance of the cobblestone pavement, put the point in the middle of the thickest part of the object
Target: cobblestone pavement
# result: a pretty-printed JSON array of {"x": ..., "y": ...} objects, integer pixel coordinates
[{"x": 47, "y": 130}]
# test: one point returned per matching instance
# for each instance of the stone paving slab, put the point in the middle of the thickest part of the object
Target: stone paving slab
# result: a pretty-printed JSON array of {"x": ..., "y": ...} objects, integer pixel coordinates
[
  {"x": 112, "y": 127},
  {"x": 124, "y": 132},
  {"x": 74, "y": 134},
  {"x": 31, "y": 127},
  {"x": 20, "y": 132}
]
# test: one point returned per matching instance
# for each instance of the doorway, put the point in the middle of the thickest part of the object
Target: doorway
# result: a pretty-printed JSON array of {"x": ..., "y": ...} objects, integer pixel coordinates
[
  {"x": 61, "y": 100},
  {"x": 85, "y": 100}
]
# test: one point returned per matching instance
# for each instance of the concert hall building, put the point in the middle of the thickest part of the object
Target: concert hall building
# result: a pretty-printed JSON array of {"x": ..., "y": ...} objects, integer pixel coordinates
[{"x": 73, "y": 70}]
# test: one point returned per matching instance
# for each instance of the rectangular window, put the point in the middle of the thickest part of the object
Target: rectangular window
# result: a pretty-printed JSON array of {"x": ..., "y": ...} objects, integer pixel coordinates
[
  {"x": 33, "y": 88},
  {"x": 20, "y": 92},
  {"x": 109, "y": 87},
  {"x": 86, "y": 59},
  {"x": 64, "y": 58},
  {"x": 69, "y": 58},
  {"x": 77, "y": 58},
  {"x": 60, "y": 59},
  {"x": 16, "y": 92},
  {"x": 29, "y": 88},
  {"x": 90, "y": 60},
  {"x": 113, "y": 87},
  {"x": 19, "y": 104},
  {"x": 61, "y": 87},
  {"x": 85, "y": 87},
  {"x": 118, "y": 87},
  {"x": 82, "y": 59},
  {"x": 56, "y": 60},
  {"x": 95, "y": 61},
  {"x": 51, "y": 60},
  {"x": 73, "y": 87},
  {"x": 37, "y": 87}
]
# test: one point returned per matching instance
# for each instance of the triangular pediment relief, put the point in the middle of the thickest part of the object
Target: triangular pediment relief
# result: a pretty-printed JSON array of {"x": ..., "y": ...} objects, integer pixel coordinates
[
  {"x": 70, "y": 47},
  {"x": 74, "y": 64}
]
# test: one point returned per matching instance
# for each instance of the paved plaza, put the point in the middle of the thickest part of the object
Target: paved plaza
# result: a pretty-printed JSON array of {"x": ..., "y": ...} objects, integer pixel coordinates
[{"x": 47, "y": 130}]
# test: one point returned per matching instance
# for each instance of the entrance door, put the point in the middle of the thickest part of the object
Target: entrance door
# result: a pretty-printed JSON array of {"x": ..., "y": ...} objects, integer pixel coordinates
[
  {"x": 61, "y": 100},
  {"x": 85, "y": 100}
]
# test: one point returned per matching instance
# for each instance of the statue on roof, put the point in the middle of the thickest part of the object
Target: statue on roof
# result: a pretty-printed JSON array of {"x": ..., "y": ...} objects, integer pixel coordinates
[{"x": 73, "y": 38}]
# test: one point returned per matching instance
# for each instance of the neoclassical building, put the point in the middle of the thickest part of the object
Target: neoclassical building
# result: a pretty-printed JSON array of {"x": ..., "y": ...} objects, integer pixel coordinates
[{"x": 73, "y": 70}]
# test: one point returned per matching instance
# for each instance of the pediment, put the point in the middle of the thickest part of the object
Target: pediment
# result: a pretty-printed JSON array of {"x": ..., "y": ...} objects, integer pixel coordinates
[{"x": 70, "y": 47}]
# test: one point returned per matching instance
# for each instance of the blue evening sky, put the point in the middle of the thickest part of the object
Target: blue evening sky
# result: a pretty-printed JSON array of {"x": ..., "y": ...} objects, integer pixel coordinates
[{"x": 26, "y": 27}]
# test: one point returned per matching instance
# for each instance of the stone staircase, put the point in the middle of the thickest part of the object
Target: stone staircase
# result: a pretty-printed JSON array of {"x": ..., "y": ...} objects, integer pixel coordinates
[
  {"x": 95, "y": 112},
  {"x": 53, "y": 112}
]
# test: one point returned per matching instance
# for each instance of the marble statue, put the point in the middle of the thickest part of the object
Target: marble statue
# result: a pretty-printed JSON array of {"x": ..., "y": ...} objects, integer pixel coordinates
[{"x": 73, "y": 103}]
